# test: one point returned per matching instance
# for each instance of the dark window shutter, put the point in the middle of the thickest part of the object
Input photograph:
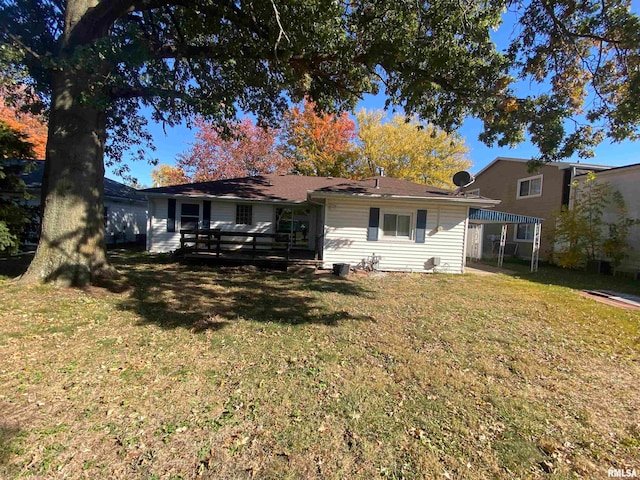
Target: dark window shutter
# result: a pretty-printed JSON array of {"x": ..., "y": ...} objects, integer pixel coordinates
[
  {"x": 421, "y": 226},
  {"x": 374, "y": 223},
  {"x": 206, "y": 214},
  {"x": 171, "y": 216}
]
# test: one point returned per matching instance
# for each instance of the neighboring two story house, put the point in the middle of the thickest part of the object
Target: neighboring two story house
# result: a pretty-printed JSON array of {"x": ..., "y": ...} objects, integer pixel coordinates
[
  {"x": 537, "y": 194},
  {"x": 626, "y": 181}
]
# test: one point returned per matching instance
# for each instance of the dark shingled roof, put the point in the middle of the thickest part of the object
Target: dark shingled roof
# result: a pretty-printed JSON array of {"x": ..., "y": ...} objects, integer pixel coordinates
[
  {"x": 386, "y": 186},
  {"x": 112, "y": 189},
  {"x": 294, "y": 188}
]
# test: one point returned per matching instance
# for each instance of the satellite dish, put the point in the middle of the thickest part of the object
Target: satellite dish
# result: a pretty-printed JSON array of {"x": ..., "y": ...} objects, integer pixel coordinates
[{"x": 463, "y": 179}]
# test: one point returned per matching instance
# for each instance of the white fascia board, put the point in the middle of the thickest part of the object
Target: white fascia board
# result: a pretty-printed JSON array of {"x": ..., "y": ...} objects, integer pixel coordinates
[
  {"x": 586, "y": 166},
  {"x": 614, "y": 171},
  {"x": 130, "y": 201},
  {"x": 471, "y": 202},
  {"x": 559, "y": 165}
]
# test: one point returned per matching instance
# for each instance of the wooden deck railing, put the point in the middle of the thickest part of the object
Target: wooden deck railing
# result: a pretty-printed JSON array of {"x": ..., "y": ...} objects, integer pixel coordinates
[{"x": 216, "y": 241}]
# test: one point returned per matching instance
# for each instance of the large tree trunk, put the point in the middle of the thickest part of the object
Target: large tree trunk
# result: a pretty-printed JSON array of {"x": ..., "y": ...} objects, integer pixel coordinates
[
  {"x": 72, "y": 246},
  {"x": 72, "y": 249}
]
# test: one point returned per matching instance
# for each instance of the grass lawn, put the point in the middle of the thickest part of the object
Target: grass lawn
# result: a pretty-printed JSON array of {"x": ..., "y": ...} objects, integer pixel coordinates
[{"x": 200, "y": 372}]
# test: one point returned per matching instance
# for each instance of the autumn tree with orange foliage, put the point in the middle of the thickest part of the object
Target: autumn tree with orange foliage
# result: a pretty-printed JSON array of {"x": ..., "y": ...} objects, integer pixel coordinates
[
  {"x": 32, "y": 127},
  {"x": 320, "y": 144}
]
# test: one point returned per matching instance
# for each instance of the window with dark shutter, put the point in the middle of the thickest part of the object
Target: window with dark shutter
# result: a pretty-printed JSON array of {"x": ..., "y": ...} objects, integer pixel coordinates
[
  {"x": 171, "y": 215},
  {"x": 206, "y": 214},
  {"x": 374, "y": 224},
  {"x": 396, "y": 225},
  {"x": 421, "y": 226},
  {"x": 189, "y": 215}
]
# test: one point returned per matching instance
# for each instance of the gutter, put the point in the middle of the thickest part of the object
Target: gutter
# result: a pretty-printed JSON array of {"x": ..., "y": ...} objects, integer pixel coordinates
[
  {"x": 312, "y": 202},
  {"x": 467, "y": 201}
]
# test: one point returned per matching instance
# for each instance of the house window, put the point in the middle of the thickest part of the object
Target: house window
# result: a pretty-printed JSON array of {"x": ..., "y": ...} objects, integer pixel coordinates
[
  {"x": 244, "y": 214},
  {"x": 524, "y": 232},
  {"x": 189, "y": 215},
  {"x": 530, "y": 187},
  {"x": 396, "y": 225}
]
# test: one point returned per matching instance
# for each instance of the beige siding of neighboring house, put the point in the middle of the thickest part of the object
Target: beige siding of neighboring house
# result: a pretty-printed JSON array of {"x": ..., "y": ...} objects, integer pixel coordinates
[
  {"x": 346, "y": 226},
  {"x": 223, "y": 216},
  {"x": 626, "y": 181},
  {"x": 500, "y": 181}
]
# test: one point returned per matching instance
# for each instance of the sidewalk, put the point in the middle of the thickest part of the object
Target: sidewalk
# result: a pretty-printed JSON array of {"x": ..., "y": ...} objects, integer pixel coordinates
[{"x": 482, "y": 269}]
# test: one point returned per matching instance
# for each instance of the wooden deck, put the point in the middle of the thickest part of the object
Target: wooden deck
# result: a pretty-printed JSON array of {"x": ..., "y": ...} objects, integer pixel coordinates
[{"x": 268, "y": 250}]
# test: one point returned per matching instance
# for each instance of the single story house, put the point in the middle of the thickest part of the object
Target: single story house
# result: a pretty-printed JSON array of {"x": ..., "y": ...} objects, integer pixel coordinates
[
  {"x": 398, "y": 225},
  {"x": 125, "y": 211}
]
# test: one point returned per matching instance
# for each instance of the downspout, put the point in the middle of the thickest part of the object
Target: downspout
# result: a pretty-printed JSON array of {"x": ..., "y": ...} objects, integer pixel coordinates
[
  {"x": 150, "y": 215},
  {"x": 319, "y": 252},
  {"x": 464, "y": 242}
]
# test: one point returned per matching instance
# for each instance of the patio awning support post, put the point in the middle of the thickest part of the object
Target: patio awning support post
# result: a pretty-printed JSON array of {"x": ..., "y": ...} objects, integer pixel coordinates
[
  {"x": 503, "y": 242},
  {"x": 535, "y": 251},
  {"x": 474, "y": 237}
]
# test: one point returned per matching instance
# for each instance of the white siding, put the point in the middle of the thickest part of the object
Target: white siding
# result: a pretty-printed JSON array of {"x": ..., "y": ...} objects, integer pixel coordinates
[
  {"x": 124, "y": 220},
  {"x": 223, "y": 216},
  {"x": 345, "y": 241},
  {"x": 158, "y": 239}
]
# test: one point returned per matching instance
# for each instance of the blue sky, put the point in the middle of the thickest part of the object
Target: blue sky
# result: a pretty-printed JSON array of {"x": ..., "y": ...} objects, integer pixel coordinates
[{"x": 177, "y": 140}]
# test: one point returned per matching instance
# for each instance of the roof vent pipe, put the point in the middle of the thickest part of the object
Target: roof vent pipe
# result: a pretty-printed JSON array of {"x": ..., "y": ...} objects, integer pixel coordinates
[{"x": 377, "y": 180}]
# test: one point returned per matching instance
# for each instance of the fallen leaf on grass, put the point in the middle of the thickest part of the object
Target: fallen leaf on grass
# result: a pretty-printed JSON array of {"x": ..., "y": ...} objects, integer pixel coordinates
[{"x": 418, "y": 433}]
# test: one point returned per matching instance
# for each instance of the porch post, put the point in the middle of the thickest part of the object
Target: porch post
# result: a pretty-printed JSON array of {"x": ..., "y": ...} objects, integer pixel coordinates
[
  {"x": 535, "y": 251},
  {"x": 503, "y": 241},
  {"x": 475, "y": 243}
]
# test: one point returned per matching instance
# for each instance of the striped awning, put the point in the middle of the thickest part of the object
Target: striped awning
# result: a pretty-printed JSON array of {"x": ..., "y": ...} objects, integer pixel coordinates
[{"x": 480, "y": 215}]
